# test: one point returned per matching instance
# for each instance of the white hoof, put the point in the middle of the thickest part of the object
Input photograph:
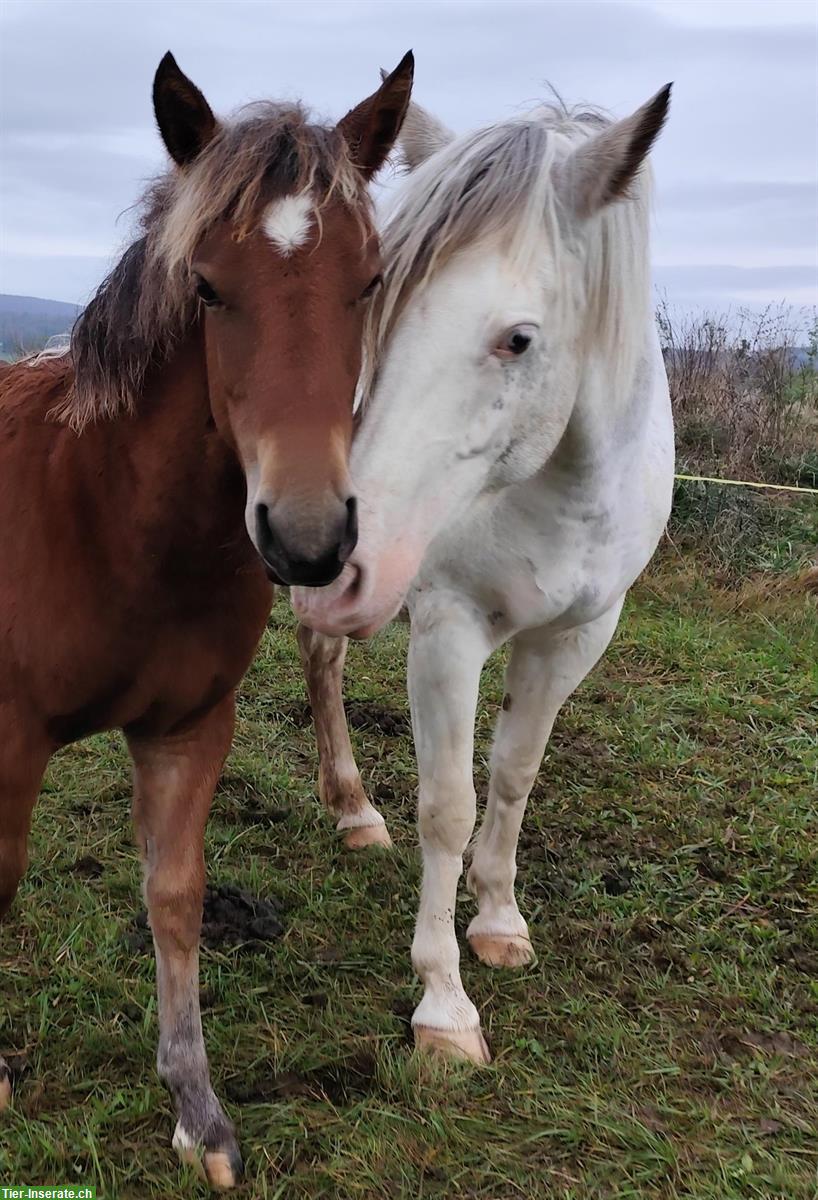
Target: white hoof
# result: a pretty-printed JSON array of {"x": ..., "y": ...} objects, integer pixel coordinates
[
  {"x": 5, "y": 1091},
  {"x": 466, "y": 1044},
  {"x": 222, "y": 1169},
  {"x": 367, "y": 835},
  {"x": 502, "y": 949}
]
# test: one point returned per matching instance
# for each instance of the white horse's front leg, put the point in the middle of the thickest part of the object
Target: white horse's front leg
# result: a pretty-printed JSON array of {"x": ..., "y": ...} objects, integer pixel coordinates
[
  {"x": 446, "y": 654},
  {"x": 544, "y": 669}
]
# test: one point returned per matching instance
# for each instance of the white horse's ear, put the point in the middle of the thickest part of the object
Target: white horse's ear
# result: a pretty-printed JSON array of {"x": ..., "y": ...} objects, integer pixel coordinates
[
  {"x": 421, "y": 134},
  {"x": 602, "y": 169}
]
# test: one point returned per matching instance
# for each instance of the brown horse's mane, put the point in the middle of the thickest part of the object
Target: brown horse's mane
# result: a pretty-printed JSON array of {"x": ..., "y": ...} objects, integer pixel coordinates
[{"x": 147, "y": 302}]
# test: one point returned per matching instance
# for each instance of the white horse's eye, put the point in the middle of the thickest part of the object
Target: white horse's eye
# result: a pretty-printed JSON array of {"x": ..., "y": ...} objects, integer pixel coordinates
[{"x": 515, "y": 341}]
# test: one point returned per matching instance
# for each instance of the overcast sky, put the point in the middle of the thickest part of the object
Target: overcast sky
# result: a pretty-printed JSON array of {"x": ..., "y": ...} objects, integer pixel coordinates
[{"x": 737, "y": 166}]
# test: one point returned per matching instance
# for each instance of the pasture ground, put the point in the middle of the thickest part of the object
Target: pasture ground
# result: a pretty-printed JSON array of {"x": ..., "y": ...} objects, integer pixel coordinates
[{"x": 665, "y": 1044}]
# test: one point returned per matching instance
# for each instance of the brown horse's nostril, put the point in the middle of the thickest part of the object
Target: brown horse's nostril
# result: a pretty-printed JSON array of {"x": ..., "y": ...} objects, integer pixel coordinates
[{"x": 305, "y": 553}]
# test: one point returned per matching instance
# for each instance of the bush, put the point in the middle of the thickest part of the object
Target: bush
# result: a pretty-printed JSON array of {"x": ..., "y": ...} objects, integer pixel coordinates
[
  {"x": 745, "y": 394},
  {"x": 744, "y": 391}
]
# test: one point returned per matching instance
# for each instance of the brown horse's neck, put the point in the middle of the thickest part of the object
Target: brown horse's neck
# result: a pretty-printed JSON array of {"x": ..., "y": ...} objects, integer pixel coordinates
[{"x": 172, "y": 480}]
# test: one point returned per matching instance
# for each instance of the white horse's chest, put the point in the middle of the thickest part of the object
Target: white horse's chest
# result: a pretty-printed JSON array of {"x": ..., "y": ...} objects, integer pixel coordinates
[
  {"x": 530, "y": 569},
  {"x": 539, "y": 555}
]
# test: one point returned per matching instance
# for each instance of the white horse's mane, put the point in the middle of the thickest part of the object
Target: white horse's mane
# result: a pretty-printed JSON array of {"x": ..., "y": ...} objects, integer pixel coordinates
[{"x": 498, "y": 185}]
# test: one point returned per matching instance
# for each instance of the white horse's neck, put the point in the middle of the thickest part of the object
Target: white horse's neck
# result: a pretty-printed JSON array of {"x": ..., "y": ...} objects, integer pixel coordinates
[{"x": 606, "y": 421}]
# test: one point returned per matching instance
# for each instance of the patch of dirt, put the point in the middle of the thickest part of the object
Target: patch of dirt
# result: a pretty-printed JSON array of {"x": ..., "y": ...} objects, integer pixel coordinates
[
  {"x": 88, "y": 867},
  {"x": 741, "y": 1043},
  {"x": 235, "y": 812},
  {"x": 347, "y": 1081},
  {"x": 263, "y": 1089},
  {"x": 572, "y": 745},
  {"x": 617, "y": 881},
  {"x": 717, "y": 1046},
  {"x": 343, "y": 1082},
  {"x": 802, "y": 958},
  {"x": 366, "y": 715},
  {"x": 230, "y": 917}
]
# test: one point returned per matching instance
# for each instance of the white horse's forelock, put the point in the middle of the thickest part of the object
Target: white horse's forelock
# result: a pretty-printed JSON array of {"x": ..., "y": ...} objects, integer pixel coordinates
[{"x": 498, "y": 184}]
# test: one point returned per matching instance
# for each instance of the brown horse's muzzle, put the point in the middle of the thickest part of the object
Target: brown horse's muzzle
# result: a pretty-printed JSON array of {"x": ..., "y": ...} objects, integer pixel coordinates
[{"x": 306, "y": 548}]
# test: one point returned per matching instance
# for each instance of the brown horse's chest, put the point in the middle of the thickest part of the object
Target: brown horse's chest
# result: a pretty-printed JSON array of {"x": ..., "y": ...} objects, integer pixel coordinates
[{"x": 164, "y": 670}]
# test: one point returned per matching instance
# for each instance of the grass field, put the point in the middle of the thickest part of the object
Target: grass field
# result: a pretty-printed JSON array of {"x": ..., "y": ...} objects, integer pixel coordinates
[{"x": 665, "y": 1044}]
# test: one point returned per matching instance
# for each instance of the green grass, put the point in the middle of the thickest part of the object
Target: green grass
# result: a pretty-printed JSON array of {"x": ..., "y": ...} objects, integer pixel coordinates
[{"x": 665, "y": 1044}]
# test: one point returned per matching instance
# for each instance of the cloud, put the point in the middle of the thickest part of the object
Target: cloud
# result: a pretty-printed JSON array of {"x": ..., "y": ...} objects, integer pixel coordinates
[{"x": 736, "y": 166}]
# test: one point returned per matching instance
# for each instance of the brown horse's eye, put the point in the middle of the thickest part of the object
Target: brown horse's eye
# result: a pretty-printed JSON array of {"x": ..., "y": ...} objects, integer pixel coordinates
[
  {"x": 372, "y": 287},
  {"x": 206, "y": 293}
]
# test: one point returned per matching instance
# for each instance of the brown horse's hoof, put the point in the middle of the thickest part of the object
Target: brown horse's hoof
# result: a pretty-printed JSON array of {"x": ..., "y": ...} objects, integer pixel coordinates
[
  {"x": 367, "y": 835},
  {"x": 5, "y": 1086},
  {"x": 222, "y": 1169},
  {"x": 502, "y": 950},
  {"x": 466, "y": 1044}
]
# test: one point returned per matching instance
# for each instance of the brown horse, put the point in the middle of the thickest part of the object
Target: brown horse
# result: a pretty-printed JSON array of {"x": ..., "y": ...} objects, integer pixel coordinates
[{"x": 207, "y": 395}]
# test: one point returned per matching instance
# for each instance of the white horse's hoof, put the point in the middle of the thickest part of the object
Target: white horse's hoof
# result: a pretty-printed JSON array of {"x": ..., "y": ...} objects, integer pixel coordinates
[
  {"x": 367, "y": 835},
  {"x": 502, "y": 949},
  {"x": 222, "y": 1169},
  {"x": 5, "y": 1087},
  {"x": 466, "y": 1044}
]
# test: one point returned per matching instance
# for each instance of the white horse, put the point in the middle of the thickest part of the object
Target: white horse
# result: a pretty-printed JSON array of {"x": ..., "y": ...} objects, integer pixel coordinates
[{"x": 514, "y": 469}]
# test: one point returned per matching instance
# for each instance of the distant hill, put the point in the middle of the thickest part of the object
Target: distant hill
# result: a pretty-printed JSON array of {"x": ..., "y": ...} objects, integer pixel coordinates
[
  {"x": 801, "y": 356},
  {"x": 798, "y": 357},
  {"x": 27, "y": 322}
]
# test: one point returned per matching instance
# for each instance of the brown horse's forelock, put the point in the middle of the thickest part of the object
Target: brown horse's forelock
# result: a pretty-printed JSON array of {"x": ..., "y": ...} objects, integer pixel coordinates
[{"x": 147, "y": 303}]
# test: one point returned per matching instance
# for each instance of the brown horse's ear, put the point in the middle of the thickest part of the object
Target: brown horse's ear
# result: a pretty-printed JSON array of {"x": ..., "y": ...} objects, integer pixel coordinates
[
  {"x": 184, "y": 117},
  {"x": 370, "y": 129},
  {"x": 602, "y": 169}
]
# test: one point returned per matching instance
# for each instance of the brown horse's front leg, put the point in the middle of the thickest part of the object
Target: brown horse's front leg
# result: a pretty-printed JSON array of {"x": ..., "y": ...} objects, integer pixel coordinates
[
  {"x": 339, "y": 781},
  {"x": 23, "y": 758},
  {"x": 174, "y": 781}
]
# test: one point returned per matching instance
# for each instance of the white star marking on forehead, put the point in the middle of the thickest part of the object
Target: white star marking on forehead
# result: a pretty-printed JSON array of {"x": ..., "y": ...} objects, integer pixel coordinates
[{"x": 288, "y": 221}]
